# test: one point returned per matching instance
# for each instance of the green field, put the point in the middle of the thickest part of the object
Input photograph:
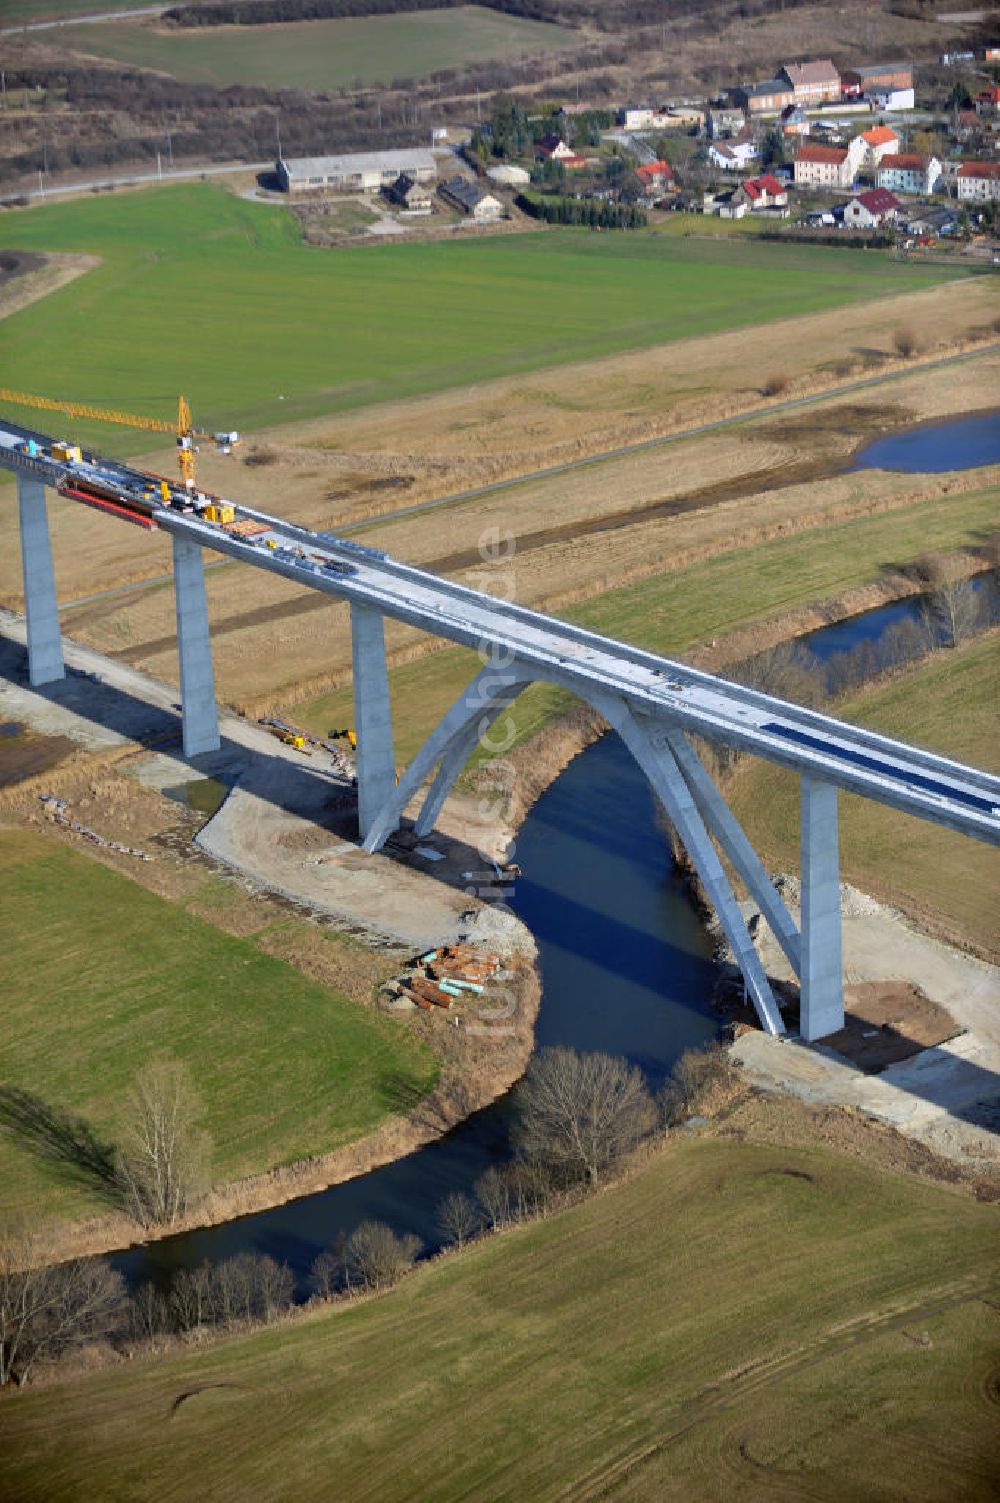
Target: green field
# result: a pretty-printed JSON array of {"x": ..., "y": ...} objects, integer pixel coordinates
[
  {"x": 324, "y": 55},
  {"x": 949, "y": 705},
  {"x": 204, "y": 293},
  {"x": 738, "y": 1321},
  {"x": 670, "y": 613},
  {"x": 98, "y": 975}
]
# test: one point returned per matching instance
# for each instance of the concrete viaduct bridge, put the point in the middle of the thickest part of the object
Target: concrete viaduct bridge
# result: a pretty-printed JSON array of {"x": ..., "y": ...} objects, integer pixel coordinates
[{"x": 655, "y": 704}]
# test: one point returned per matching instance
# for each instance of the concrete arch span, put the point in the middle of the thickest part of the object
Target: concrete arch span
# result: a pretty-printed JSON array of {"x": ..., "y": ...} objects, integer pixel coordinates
[{"x": 670, "y": 764}]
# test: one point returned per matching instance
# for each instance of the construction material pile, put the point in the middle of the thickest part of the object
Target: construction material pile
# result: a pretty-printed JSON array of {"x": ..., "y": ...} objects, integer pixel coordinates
[
  {"x": 439, "y": 977},
  {"x": 57, "y": 810}
]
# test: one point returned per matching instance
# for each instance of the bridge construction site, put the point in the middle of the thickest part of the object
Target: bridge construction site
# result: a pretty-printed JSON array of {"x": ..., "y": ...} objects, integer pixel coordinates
[{"x": 655, "y": 704}]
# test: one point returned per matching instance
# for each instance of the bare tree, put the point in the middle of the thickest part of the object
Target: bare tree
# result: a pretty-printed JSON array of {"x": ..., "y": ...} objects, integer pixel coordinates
[
  {"x": 160, "y": 1168},
  {"x": 775, "y": 384},
  {"x": 190, "y": 1297},
  {"x": 46, "y": 1311},
  {"x": 376, "y": 1257},
  {"x": 150, "y": 1313},
  {"x": 458, "y": 1218},
  {"x": 579, "y": 1112},
  {"x": 951, "y": 611},
  {"x": 698, "y": 1076},
  {"x": 493, "y": 1192}
]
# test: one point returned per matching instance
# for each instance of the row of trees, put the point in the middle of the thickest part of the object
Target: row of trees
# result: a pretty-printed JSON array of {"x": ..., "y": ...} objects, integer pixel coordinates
[
  {"x": 594, "y": 213},
  {"x": 577, "y": 1116}
]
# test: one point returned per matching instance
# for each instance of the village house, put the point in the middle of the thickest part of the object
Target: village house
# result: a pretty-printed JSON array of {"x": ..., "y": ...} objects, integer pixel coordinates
[
  {"x": 812, "y": 83},
  {"x": 868, "y": 210},
  {"x": 908, "y": 172},
  {"x": 656, "y": 178},
  {"x": 794, "y": 122},
  {"x": 828, "y": 166},
  {"x": 767, "y": 98},
  {"x": 470, "y": 199},
  {"x": 553, "y": 148},
  {"x": 879, "y": 141},
  {"x": 732, "y": 156},
  {"x": 762, "y": 193},
  {"x": 988, "y": 101},
  {"x": 929, "y": 219},
  {"x": 723, "y": 121},
  {"x": 643, "y": 117},
  {"x": 979, "y": 182}
]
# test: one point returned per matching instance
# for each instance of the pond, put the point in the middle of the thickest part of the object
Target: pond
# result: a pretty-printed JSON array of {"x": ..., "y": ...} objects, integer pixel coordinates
[{"x": 958, "y": 444}]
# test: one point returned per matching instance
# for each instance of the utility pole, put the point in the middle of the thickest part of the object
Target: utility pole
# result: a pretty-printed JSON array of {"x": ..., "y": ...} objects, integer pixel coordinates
[
  {"x": 3, "y": 89},
  {"x": 159, "y": 165},
  {"x": 170, "y": 150},
  {"x": 277, "y": 133}
]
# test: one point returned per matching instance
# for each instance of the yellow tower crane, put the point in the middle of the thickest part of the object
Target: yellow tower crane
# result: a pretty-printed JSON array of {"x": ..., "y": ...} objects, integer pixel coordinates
[{"x": 184, "y": 431}]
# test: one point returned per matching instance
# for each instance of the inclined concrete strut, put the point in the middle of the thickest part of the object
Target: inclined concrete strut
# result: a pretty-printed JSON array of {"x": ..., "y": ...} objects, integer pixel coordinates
[
  {"x": 41, "y": 608},
  {"x": 200, "y": 716}
]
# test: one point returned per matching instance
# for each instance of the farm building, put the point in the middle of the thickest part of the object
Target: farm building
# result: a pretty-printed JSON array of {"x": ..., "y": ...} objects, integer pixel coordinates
[
  {"x": 858, "y": 81},
  {"x": 358, "y": 172},
  {"x": 979, "y": 182},
  {"x": 866, "y": 211},
  {"x": 508, "y": 175},
  {"x": 411, "y": 195},
  {"x": 812, "y": 83},
  {"x": 908, "y": 172},
  {"x": 481, "y": 206}
]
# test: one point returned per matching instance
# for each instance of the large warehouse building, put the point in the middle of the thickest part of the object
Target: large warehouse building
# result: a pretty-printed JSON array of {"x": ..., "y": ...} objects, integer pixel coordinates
[{"x": 360, "y": 172}]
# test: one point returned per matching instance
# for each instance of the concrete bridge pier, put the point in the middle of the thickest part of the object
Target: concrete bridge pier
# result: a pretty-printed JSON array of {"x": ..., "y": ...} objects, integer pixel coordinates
[
  {"x": 41, "y": 608},
  {"x": 822, "y": 973},
  {"x": 374, "y": 754},
  {"x": 200, "y": 715}
]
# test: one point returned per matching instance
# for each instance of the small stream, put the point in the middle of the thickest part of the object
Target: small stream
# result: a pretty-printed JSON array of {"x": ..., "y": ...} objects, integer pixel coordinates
[{"x": 626, "y": 964}]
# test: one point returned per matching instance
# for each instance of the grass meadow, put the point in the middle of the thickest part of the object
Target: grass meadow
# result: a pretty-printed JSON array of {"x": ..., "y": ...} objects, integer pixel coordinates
[
  {"x": 948, "y": 704},
  {"x": 201, "y": 292},
  {"x": 325, "y": 55},
  {"x": 739, "y": 1319},
  {"x": 99, "y": 975}
]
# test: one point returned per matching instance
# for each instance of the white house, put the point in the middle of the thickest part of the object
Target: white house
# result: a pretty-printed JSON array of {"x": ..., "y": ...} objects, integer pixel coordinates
[
  {"x": 979, "y": 182},
  {"x": 866, "y": 211},
  {"x": 828, "y": 166},
  {"x": 907, "y": 172},
  {"x": 732, "y": 156},
  {"x": 880, "y": 141},
  {"x": 891, "y": 99}
]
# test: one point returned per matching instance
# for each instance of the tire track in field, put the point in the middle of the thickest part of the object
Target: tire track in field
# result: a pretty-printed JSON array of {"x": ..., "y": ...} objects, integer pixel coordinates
[{"x": 839, "y": 1339}]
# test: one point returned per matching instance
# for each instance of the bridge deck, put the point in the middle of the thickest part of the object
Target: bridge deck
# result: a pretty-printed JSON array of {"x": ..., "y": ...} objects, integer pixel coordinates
[{"x": 877, "y": 767}]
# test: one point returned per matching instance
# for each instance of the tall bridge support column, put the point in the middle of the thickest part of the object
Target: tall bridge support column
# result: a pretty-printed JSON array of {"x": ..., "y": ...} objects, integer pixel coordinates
[
  {"x": 200, "y": 714},
  {"x": 822, "y": 975},
  {"x": 376, "y": 761},
  {"x": 41, "y": 608}
]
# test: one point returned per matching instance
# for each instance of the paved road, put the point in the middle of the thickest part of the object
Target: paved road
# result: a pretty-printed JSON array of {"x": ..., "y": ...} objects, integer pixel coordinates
[
  {"x": 174, "y": 174},
  {"x": 104, "y": 15}
]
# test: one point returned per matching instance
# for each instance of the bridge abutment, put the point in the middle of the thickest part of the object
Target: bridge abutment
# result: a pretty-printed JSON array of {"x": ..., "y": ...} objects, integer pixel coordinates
[
  {"x": 41, "y": 607},
  {"x": 374, "y": 754},
  {"x": 194, "y": 646},
  {"x": 822, "y": 973}
]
